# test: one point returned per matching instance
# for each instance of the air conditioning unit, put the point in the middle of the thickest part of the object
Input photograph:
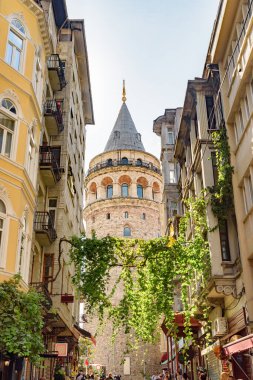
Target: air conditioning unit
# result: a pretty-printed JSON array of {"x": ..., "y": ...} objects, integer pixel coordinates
[{"x": 219, "y": 327}]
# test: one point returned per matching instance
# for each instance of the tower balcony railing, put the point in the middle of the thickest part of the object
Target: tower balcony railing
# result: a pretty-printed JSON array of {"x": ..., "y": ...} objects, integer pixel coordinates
[
  {"x": 116, "y": 163},
  {"x": 56, "y": 72},
  {"x": 53, "y": 112}
]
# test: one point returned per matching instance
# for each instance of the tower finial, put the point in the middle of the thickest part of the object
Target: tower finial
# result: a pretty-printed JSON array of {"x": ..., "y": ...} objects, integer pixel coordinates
[{"x": 124, "y": 92}]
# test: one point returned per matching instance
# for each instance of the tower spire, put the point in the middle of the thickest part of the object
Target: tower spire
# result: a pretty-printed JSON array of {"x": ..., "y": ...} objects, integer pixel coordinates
[{"x": 124, "y": 93}]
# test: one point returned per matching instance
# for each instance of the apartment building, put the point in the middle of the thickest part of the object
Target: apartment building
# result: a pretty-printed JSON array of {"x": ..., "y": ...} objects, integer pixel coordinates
[
  {"x": 45, "y": 106},
  {"x": 165, "y": 127}
]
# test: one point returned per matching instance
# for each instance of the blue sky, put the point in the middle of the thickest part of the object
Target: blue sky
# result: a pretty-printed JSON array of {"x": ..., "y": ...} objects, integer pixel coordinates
[{"x": 155, "y": 45}]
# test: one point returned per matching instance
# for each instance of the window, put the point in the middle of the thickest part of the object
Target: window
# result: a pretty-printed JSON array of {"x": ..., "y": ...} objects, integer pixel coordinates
[
  {"x": 15, "y": 45},
  {"x": 173, "y": 208},
  {"x": 196, "y": 127},
  {"x": 7, "y": 128},
  {"x": 247, "y": 106},
  {"x": 23, "y": 247},
  {"x": 241, "y": 120},
  {"x": 139, "y": 191},
  {"x": 250, "y": 188},
  {"x": 172, "y": 177},
  {"x": 225, "y": 252},
  {"x": 127, "y": 231},
  {"x": 109, "y": 162},
  {"x": 48, "y": 270},
  {"x": 52, "y": 207},
  {"x": 126, "y": 215},
  {"x": 109, "y": 191},
  {"x": 124, "y": 190},
  {"x": 170, "y": 137},
  {"x": 138, "y": 162},
  {"x": 143, "y": 216},
  {"x": 124, "y": 161},
  {"x": 215, "y": 169},
  {"x": 108, "y": 216},
  {"x": 2, "y": 220},
  {"x": 31, "y": 155},
  {"x": 210, "y": 112}
]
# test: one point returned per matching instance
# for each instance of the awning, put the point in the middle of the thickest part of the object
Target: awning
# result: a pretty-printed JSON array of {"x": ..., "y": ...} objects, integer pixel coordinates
[
  {"x": 164, "y": 357},
  {"x": 239, "y": 345},
  {"x": 85, "y": 333},
  {"x": 179, "y": 320}
]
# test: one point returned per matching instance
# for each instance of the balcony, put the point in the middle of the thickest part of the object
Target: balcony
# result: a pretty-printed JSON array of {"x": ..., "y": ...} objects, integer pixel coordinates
[
  {"x": 54, "y": 116},
  {"x": 114, "y": 163},
  {"x": 44, "y": 229},
  {"x": 49, "y": 167},
  {"x": 56, "y": 72},
  {"x": 41, "y": 288}
]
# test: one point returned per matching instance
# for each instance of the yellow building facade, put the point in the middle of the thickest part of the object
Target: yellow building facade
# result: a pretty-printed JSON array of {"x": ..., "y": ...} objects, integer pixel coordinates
[{"x": 22, "y": 62}]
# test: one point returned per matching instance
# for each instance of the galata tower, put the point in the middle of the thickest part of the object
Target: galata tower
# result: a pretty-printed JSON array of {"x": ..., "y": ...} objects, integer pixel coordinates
[{"x": 123, "y": 199}]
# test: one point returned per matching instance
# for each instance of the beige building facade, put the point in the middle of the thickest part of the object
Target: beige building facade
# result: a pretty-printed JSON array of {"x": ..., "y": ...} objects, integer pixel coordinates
[
  {"x": 123, "y": 199},
  {"x": 165, "y": 126}
]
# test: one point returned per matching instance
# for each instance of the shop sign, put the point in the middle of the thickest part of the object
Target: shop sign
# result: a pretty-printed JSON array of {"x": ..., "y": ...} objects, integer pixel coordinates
[{"x": 62, "y": 349}]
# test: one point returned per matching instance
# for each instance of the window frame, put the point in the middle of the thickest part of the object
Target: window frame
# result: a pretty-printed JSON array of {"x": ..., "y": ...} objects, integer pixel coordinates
[
  {"x": 171, "y": 134},
  {"x": 14, "y": 117},
  {"x": 127, "y": 228},
  {"x": 108, "y": 188},
  {"x": 22, "y": 36},
  {"x": 140, "y": 187},
  {"x": 124, "y": 186}
]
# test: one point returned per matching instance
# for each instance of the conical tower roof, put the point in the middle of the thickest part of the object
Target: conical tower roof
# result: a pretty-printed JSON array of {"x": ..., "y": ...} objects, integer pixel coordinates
[{"x": 124, "y": 134}]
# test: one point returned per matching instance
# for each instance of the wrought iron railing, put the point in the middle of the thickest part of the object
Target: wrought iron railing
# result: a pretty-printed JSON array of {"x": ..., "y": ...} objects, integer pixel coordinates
[
  {"x": 41, "y": 288},
  {"x": 43, "y": 223},
  {"x": 47, "y": 159},
  {"x": 55, "y": 63},
  {"x": 115, "y": 163},
  {"x": 54, "y": 108}
]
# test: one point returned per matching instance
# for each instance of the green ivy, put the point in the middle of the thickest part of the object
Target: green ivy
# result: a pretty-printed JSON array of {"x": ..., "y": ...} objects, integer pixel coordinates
[
  {"x": 221, "y": 193},
  {"x": 146, "y": 270},
  {"x": 21, "y": 321}
]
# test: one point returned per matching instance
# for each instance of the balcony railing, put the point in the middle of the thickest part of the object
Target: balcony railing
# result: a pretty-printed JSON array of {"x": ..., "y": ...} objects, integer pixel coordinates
[
  {"x": 53, "y": 112},
  {"x": 41, "y": 288},
  {"x": 115, "y": 163},
  {"x": 56, "y": 72},
  {"x": 49, "y": 166},
  {"x": 44, "y": 228}
]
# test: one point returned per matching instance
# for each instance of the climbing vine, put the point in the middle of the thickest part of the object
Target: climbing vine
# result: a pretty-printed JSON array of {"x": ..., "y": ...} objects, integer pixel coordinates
[
  {"x": 221, "y": 193},
  {"x": 146, "y": 272}
]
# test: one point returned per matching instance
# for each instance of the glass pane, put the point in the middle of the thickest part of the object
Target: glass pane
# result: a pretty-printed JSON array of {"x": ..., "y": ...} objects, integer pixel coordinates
[
  {"x": 8, "y": 144},
  {"x": 18, "y": 25},
  {"x": 2, "y": 208},
  {"x": 7, "y": 122},
  {"x": 109, "y": 191},
  {"x": 17, "y": 41},
  {"x": 16, "y": 61},
  {"x": 139, "y": 191},
  {"x": 9, "y": 53},
  {"x": 124, "y": 190},
  {"x": 1, "y": 223},
  {"x": 6, "y": 103},
  {"x": 127, "y": 231},
  {"x": 1, "y": 139}
]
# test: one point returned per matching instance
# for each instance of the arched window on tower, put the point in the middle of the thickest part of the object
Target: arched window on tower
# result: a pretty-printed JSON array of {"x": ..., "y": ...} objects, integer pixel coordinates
[
  {"x": 139, "y": 191},
  {"x": 138, "y": 162},
  {"x": 124, "y": 161},
  {"x": 124, "y": 190},
  {"x": 109, "y": 191},
  {"x": 127, "y": 231},
  {"x": 109, "y": 162}
]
